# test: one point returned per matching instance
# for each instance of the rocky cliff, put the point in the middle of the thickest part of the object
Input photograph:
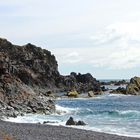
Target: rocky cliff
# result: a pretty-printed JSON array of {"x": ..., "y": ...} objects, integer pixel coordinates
[{"x": 28, "y": 72}]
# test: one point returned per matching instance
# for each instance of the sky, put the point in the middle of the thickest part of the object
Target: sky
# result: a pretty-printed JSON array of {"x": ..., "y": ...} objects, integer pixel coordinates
[{"x": 101, "y": 37}]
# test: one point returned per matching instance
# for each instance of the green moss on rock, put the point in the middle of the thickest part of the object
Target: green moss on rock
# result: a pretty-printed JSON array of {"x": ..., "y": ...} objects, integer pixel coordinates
[
  {"x": 72, "y": 93},
  {"x": 134, "y": 86}
]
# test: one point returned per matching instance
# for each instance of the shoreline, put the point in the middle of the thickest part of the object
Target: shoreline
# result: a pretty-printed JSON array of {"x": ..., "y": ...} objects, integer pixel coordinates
[
  {"x": 24, "y": 131},
  {"x": 57, "y": 123}
]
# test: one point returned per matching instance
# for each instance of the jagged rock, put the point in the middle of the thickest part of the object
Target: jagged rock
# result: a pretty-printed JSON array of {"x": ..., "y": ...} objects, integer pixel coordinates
[
  {"x": 80, "y": 123},
  {"x": 133, "y": 87},
  {"x": 119, "y": 90},
  {"x": 38, "y": 68},
  {"x": 116, "y": 83},
  {"x": 103, "y": 88},
  {"x": 82, "y": 83},
  {"x": 121, "y": 82},
  {"x": 71, "y": 121},
  {"x": 26, "y": 72}
]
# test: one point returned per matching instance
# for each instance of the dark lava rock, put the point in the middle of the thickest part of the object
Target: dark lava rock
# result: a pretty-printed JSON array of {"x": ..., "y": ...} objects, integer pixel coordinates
[
  {"x": 116, "y": 83},
  {"x": 119, "y": 90},
  {"x": 81, "y": 83},
  {"x": 103, "y": 88},
  {"x": 46, "y": 122},
  {"x": 121, "y": 82},
  {"x": 38, "y": 69},
  {"x": 80, "y": 123},
  {"x": 26, "y": 72},
  {"x": 71, "y": 121}
]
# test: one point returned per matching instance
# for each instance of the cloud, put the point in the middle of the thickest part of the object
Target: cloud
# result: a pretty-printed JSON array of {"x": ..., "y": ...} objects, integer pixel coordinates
[
  {"x": 72, "y": 58},
  {"x": 108, "y": 57},
  {"x": 124, "y": 32},
  {"x": 117, "y": 47}
]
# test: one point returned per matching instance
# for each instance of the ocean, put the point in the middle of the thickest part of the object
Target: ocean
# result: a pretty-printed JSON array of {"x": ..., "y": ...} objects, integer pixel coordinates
[{"x": 109, "y": 113}]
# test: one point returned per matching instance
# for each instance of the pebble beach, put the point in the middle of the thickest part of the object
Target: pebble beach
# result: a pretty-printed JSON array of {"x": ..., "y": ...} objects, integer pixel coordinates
[{"x": 22, "y": 131}]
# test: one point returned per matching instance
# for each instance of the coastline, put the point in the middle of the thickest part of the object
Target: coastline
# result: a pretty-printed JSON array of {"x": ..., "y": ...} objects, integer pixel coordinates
[
  {"x": 27, "y": 85},
  {"x": 63, "y": 112},
  {"x": 24, "y": 131}
]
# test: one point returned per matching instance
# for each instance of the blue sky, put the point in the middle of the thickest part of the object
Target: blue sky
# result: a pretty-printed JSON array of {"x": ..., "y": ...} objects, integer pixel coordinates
[{"x": 97, "y": 36}]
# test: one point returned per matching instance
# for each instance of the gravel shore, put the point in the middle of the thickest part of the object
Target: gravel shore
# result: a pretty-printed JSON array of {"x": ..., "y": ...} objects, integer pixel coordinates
[{"x": 20, "y": 131}]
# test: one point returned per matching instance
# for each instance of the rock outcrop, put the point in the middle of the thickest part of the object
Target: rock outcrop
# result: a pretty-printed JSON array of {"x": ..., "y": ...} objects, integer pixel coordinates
[
  {"x": 81, "y": 83},
  {"x": 119, "y": 90},
  {"x": 133, "y": 87},
  {"x": 38, "y": 68},
  {"x": 21, "y": 71},
  {"x": 71, "y": 121},
  {"x": 27, "y": 73},
  {"x": 115, "y": 83}
]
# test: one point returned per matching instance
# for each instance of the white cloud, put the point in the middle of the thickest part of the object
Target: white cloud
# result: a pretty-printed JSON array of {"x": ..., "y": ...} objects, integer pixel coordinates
[
  {"x": 72, "y": 57},
  {"x": 115, "y": 47},
  {"x": 131, "y": 29},
  {"x": 109, "y": 57},
  {"x": 118, "y": 47}
]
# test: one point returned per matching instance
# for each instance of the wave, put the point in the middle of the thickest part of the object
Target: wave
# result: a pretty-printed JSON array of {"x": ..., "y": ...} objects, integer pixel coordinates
[
  {"x": 108, "y": 96},
  {"x": 119, "y": 114},
  {"x": 116, "y": 95},
  {"x": 65, "y": 110},
  {"x": 104, "y": 113}
]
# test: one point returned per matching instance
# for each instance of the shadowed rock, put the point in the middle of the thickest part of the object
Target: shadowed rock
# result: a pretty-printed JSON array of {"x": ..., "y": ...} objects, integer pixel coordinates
[
  {"x": 71, "y": 121},
  {"x": 80, "y": 123},
  {"x": 119, "y": 90}
]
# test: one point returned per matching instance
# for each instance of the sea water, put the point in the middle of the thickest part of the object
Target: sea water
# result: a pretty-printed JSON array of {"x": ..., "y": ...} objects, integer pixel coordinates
[{"x": 109, "y": 113}]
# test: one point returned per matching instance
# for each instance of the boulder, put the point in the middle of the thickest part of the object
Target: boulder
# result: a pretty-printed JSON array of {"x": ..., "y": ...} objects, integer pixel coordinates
[
  {"x": 133, "y": 87},
  {"x": 80, "y": 123},
  {"x": 71, "y": 121},
  {"x": 91, "y": 94},
  {"x": 72, "y": 93},
  {"x": 119, "y": 90},
  {"x": 49, "y": 93}
]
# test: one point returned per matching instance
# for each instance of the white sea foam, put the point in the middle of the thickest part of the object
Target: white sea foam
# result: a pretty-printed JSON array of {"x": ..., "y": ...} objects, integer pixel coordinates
[
  {"x": 65, "y": 110},
  {"x": 116, "y": 95},
  {"x": 120, "y": 122},
  {"x": 32, "y": 118},
  {"x": 129, "y": 111},
  {"x": 106, "y": 129}
]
